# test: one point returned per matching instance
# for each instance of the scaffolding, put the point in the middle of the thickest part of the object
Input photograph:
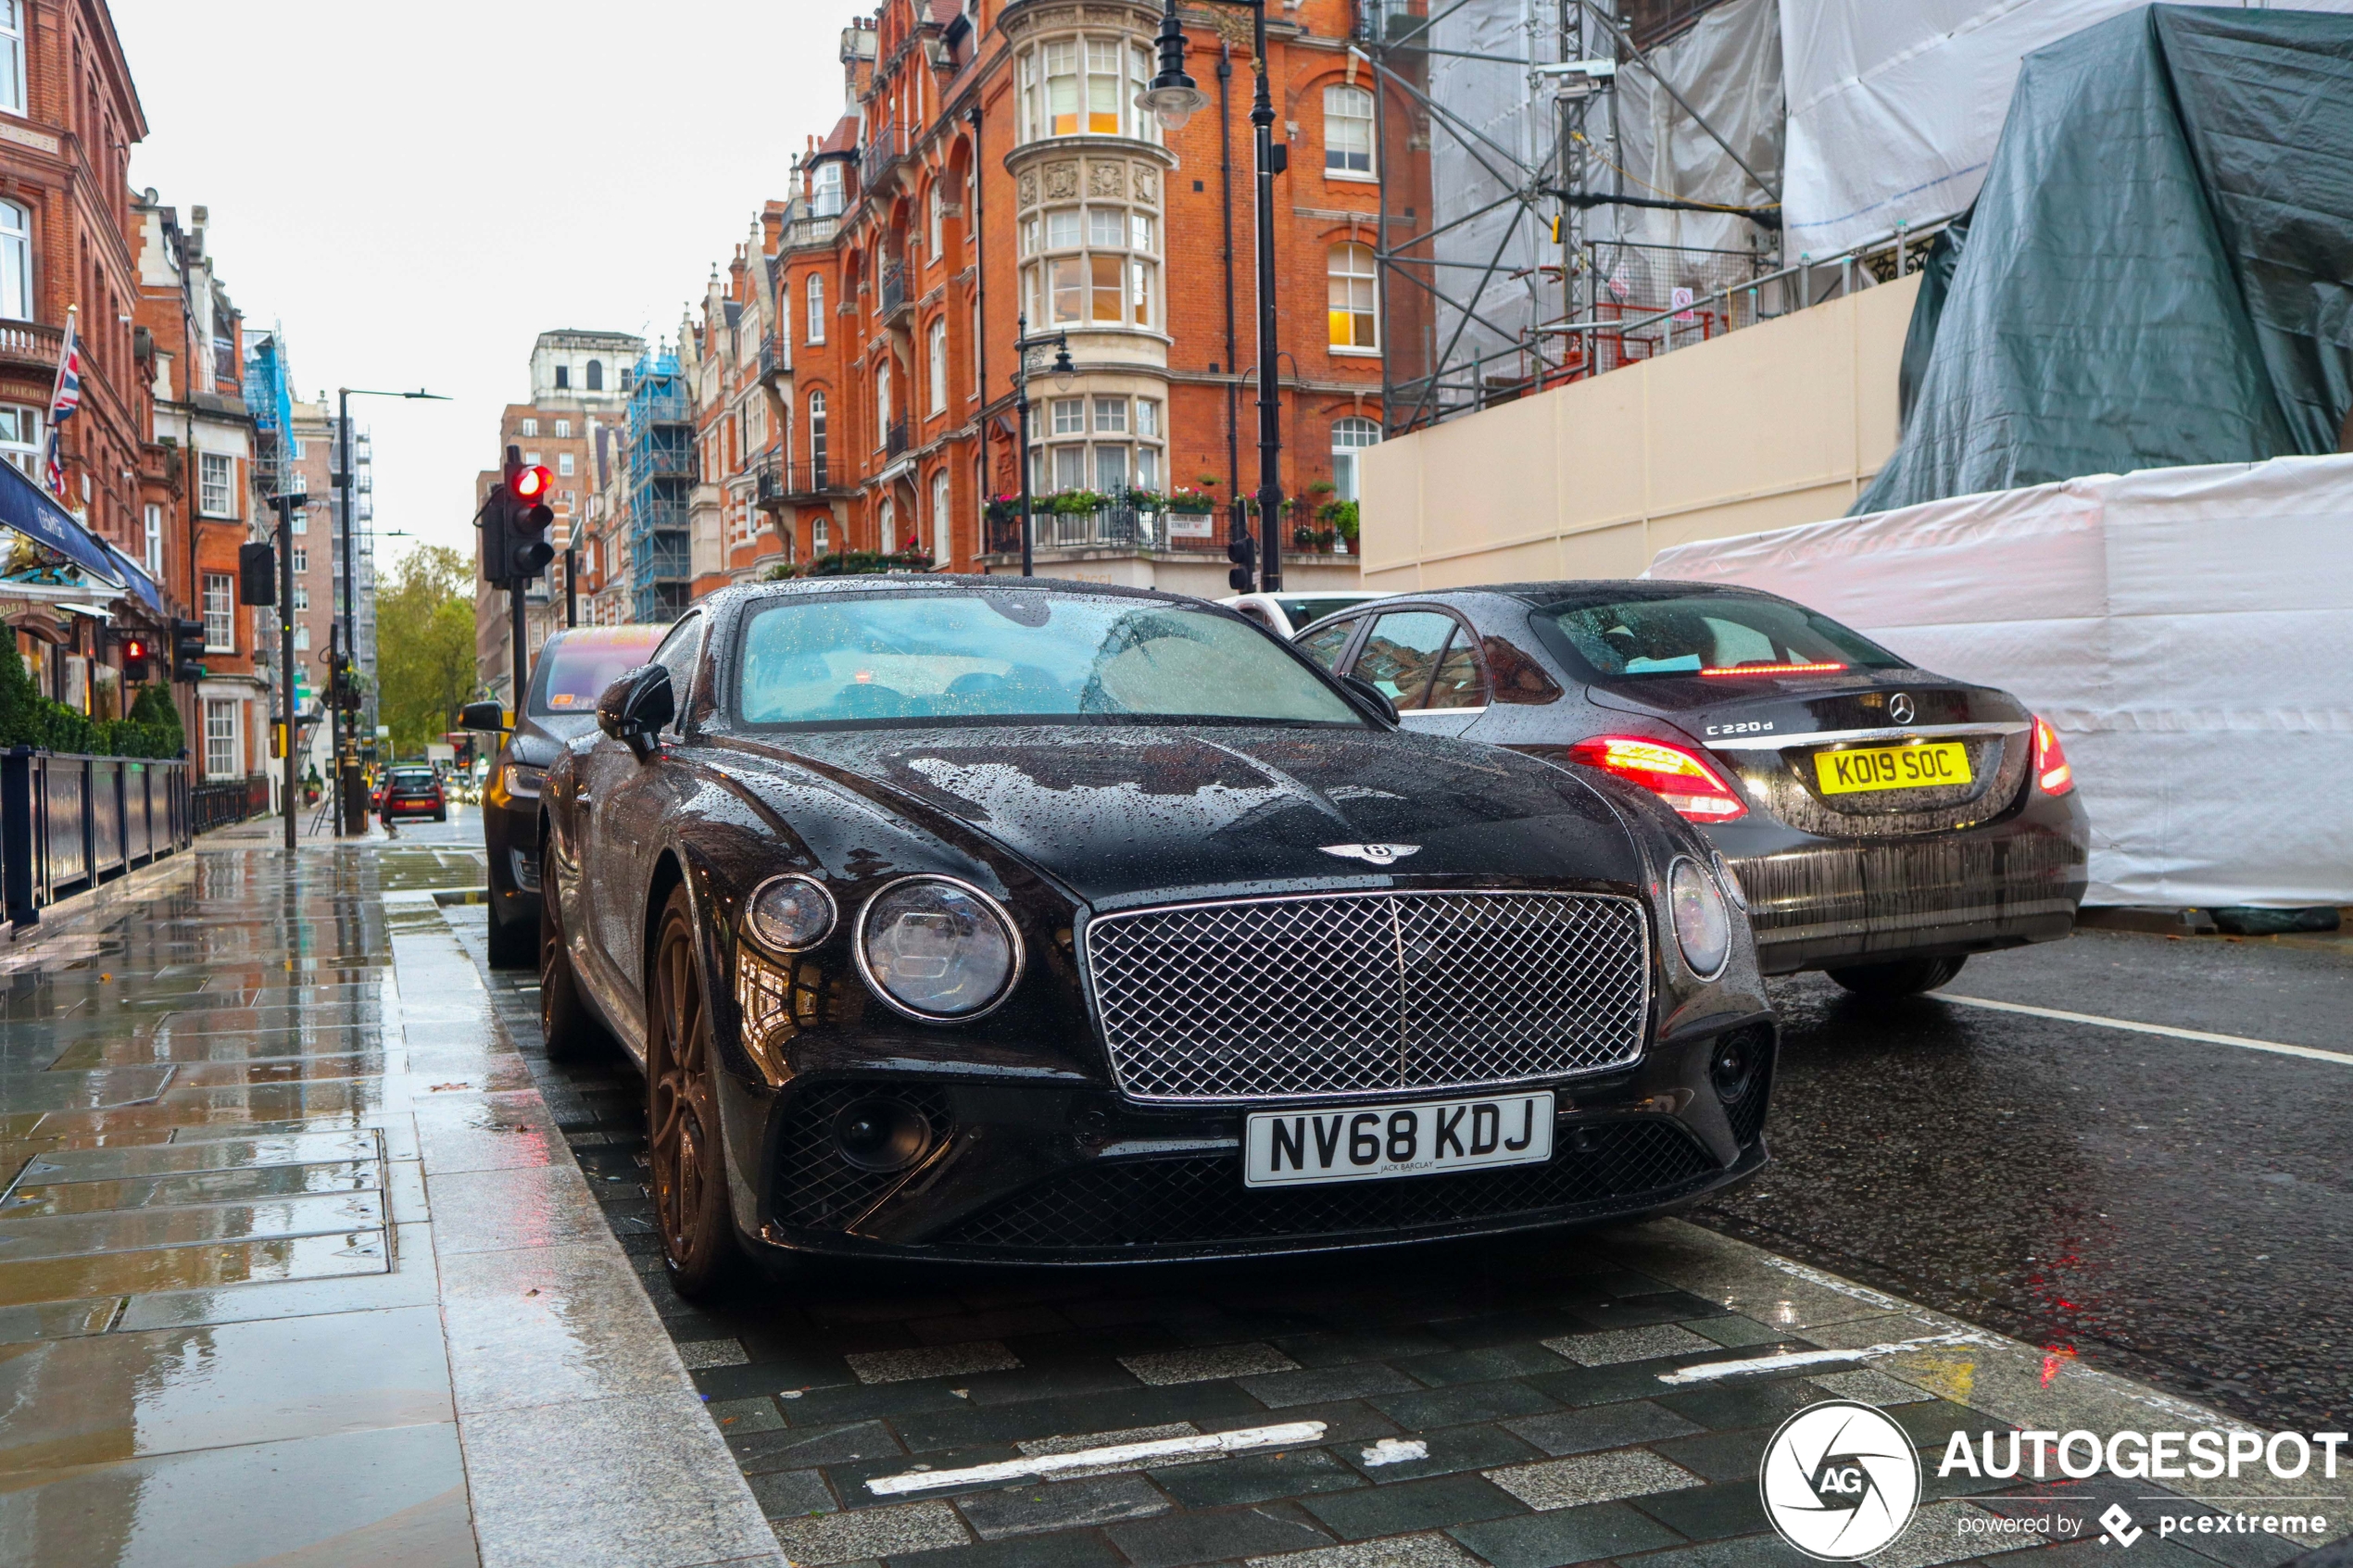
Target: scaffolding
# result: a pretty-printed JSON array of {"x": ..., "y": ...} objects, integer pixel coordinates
[
  {"x": 662, "y": 471},
  {"x": 1518, "y": 249}
]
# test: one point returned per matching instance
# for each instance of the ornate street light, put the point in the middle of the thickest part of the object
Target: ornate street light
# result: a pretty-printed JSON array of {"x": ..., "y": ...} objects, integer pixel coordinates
[
  {"x": 1172, "y": 99},
  {"x": 1063, "y": 372}
]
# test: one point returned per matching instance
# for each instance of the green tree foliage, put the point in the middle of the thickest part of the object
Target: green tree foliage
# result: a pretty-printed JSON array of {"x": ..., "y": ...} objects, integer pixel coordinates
[{"x": 424, "y": 645}]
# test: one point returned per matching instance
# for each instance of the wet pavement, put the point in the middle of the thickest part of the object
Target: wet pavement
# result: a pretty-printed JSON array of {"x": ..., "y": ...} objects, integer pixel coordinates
[
  {"x": 308, "y": 1256},
  {"x": 293, "y": 1267},
  {"x": 1480, "y": 1403},
  {"x": 2175, "y": 1211}
]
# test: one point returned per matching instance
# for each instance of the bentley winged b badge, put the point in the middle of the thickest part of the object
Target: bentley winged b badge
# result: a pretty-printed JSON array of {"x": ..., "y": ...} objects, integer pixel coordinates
[{"x": 1374, "y": 853}]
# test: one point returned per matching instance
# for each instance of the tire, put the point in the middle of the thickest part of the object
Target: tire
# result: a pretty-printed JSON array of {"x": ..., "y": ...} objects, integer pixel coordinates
[
  {"x": 1903, "y": 977},
  {"x": 687, "y": 1150},
  {"x": 514, "y": 945},
  {"x": 568, "y": 1028},
  {"x": 441, "y": 816}
]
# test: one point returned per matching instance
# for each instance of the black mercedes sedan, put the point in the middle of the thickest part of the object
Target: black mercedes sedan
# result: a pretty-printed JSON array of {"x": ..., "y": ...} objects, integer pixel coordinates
[
  {"x": 1881, "y": 822},
  {"x": 573, "y": 669},
  {"x": 1033, "y": 922}
]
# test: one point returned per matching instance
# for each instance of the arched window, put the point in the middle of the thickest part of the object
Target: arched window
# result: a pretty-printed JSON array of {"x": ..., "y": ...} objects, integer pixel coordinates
[
  {"x": 1353, "y": 324},
  {"x": 816, "y": 308},
  {"x": 15, "y": 262},
  {"x": 942, "y": 532},
  {"x": 1350, "y": 436},
  {"x": 817, "y": 439},
  {"x": 1347, "y": 131},
  {"x": 595, "y": 375}
]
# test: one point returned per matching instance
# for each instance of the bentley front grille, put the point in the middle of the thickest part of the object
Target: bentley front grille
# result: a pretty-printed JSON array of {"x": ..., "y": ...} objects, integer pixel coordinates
[{"x": 1323, "y": 996}]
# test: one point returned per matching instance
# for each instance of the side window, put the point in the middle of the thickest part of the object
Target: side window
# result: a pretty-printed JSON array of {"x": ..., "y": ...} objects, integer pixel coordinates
[
  {"x": 1324, "y": 646},
  {"x": 677, "y": 655},
  {"x": 1460, "y": 683},
  {"x": 1402, "y": 654}
]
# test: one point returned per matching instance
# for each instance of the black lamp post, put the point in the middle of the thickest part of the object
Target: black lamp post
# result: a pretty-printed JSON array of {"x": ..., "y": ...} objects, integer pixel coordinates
[
  {"x": 1172, "y": 99},
  {"x": 1065, "y": 373},
  {"x": 351, "y": 805}
]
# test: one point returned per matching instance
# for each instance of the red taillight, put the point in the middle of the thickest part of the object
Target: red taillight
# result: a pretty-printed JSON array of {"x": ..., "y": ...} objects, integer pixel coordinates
[
  {"x": 2051, "y": 771},
  {"x": 1771, "y": 669},
  {"x": 1680, "y": 778}
]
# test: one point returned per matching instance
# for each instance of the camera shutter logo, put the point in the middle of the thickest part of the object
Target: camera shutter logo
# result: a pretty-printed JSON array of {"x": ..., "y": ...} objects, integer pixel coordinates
[{"x": 1839, "y": 1481}]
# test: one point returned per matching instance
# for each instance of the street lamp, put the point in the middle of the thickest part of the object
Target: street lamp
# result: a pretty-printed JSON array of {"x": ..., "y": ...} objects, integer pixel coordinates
[
  {"x": 1065, "y": 373},
  {"x": 1172, "y": 99},
  {"x": 351, "y": 814}
]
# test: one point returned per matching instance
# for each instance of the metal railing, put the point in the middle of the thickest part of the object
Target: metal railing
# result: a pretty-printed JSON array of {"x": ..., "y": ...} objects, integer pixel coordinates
[
  {"x": 775, "y": 355},
  {"x": 1118, "y": 526},
  {"x": 68, "y": 823},
  {"x": 217, "y": 803},
  {"x": 1626, "y": 332},
  {"x": 894, "y": 289},
  {"x": 883, "y": 151},
  {"x": 895, "y": 437}
]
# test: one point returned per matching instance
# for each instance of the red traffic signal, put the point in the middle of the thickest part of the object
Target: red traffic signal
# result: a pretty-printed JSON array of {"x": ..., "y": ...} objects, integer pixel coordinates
[
  {"x": 529, "y": 483},
  {"x": 134, "y": 648}
]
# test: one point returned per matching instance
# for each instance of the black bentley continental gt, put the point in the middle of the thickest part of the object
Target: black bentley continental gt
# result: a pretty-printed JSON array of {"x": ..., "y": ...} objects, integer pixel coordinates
[
  {"x": 1030, "y": 921},
  {"x": 1882, "y": 822}
]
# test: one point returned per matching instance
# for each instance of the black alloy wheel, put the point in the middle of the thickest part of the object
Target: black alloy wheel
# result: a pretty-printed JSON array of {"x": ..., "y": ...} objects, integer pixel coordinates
[
  {"x": 566, "y": 1026},
  {"x": 1901, "y": 977},
  {"x": 685, "y": 1155}
]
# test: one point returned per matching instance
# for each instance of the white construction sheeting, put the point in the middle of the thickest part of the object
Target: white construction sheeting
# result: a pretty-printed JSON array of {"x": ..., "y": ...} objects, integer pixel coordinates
[
  {"x": 1729, "y": 67},
  {"x": 1895, "y": 106},
  {"x": 2187, "y": 631}
]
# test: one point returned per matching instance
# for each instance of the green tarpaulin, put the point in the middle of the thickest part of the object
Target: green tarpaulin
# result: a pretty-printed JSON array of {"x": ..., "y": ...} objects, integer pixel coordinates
[{"x": 2158, "y": 270}]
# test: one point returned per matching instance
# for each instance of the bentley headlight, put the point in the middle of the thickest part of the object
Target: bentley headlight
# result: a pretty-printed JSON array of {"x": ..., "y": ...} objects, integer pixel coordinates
[
  {"x": 937, "y": 949},
  {"x": 1702, "y": 926},
  {"x": 787, "y": 914}
]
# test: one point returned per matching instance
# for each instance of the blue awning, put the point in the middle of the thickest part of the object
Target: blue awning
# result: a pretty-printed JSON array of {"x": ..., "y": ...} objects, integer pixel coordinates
[
  {"x": 135, "y": 581},
  {"x": 26, "y": 508}
]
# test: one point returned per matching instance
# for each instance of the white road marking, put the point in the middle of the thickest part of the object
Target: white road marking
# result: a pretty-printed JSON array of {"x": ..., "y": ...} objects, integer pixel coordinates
[
  {"x": 1395, "y": 1450},
  {"x": 2275, "y": 1047},
  {"x": 1116, "y": 1456},
  {"x": 1709, "y": 1371}
]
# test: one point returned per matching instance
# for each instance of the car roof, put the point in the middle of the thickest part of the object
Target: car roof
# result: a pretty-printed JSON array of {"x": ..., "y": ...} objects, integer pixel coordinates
[
  {"x": 871, "y": 581},
  {"x": 1598, "y": 590}
]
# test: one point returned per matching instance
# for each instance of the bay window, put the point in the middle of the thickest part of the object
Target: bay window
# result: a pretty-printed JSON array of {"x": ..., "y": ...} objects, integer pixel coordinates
[
  {"x": 1084, "y": 86},
  {"x": 1111, "y": 280},
  {"x": 1108, "y": 444}
]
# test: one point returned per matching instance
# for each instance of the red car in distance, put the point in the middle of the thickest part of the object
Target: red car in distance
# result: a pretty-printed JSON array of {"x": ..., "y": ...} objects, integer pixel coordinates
[{"x": 414, "y": 792}]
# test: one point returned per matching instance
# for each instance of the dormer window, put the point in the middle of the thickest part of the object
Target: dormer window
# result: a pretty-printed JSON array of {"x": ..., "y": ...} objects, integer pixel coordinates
[{"x": 825, "y": 195}]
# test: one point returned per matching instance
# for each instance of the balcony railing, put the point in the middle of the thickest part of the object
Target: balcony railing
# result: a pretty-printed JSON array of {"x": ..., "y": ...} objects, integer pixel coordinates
[
  {"x": 818, "y": 230},
  {"x": 28, "y": 343},
  {"x": 775, "y": 356},
  {"x": 883, "y": 149},
  {"x": 1120, "y": 526},
  {"x": 894, "y": 289},
  {"x": 781, "y": 482},
  {"x": 895, "y": 437}
]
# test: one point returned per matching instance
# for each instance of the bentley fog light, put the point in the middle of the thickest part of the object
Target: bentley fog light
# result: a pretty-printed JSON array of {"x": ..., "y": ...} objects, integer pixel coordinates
[
  {"x": 1702, "y": 926},
  {"x": 788, "y": 913},
  {"x": 937, "y": 949}
]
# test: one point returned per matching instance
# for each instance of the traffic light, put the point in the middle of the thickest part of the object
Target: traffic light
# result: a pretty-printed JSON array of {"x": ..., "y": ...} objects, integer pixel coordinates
[
  {"x": 187, "y": 650},
  {"x": 136, "y": 651},
  {"x": 1242, "y": 550},
  {"x": 515, "y": 547},
  {"x": 256, "y": 575}
]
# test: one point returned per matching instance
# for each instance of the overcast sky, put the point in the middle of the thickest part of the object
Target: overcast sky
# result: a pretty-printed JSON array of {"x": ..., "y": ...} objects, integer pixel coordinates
[{"x": 416, "y": 191}]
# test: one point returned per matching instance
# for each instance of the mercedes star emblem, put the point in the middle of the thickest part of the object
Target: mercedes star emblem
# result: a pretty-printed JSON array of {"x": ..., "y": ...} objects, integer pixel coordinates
[{"x": 1899, "y": 707}]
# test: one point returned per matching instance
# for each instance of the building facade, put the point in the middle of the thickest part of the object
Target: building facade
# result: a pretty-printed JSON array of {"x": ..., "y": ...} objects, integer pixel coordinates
[
  {"x": 852, "y": 372},
  {"x": 580, "y": 385},
  {"x": 318, "y": 569}
]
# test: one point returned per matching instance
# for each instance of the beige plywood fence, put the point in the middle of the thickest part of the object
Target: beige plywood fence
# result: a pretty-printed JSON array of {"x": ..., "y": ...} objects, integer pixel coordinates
[{"x": 1779, "y": 423}]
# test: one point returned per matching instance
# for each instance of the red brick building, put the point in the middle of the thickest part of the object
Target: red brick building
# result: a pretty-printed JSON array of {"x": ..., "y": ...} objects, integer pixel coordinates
[{"x": 853, "y": 366}]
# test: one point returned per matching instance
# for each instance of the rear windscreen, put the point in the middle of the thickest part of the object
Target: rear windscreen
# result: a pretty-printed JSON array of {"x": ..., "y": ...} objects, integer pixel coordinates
[
  {"x": 574, "y": 673},
  {"x": 1708, "y": 635},
  {"x": 1307, "y": 608}
]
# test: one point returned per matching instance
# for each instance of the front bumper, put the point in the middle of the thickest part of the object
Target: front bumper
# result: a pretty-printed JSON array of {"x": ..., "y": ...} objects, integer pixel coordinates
[{"x": 1024, "y": 1171}]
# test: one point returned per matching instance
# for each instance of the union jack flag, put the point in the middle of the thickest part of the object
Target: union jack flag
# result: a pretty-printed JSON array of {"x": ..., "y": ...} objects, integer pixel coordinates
[{"x": 62, "y": 405}]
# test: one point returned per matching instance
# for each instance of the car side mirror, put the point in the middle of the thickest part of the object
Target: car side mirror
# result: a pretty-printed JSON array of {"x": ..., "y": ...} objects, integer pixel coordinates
[
  {"x": 1373, "y": 694},
  {"x": 488, "y": 716},
  {"x": 634, "y": 708}
]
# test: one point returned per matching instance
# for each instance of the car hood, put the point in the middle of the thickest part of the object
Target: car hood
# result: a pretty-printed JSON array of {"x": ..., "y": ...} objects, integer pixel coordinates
[{"x": 1124, "y": 815}]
